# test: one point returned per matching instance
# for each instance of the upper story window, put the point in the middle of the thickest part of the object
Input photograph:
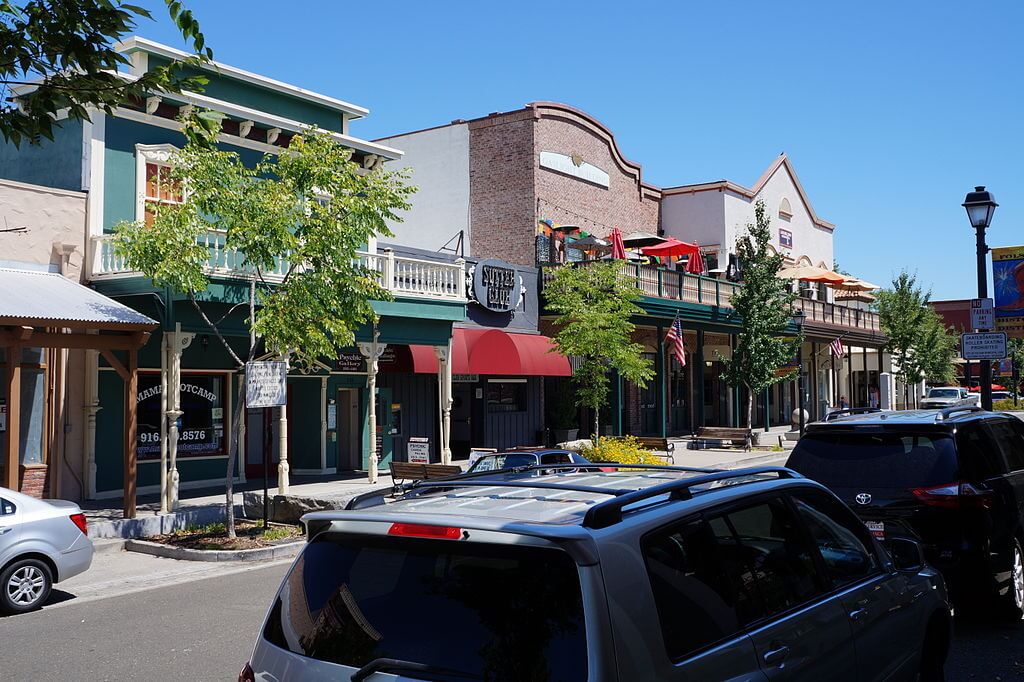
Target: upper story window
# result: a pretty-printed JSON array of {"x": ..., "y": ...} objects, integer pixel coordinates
[
  {"x": 153, "y": 181},
  {"x": 785, "y": 210}
]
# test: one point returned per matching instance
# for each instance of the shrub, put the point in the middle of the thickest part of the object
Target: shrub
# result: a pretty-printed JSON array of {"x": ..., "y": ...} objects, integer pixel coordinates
[
  {"x": 1005, "y": 405},
  {"x": 624, "y": 450}
]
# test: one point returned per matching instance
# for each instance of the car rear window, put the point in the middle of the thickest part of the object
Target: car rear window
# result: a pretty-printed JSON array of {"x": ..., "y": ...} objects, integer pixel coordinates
[
  {"x": 944, "y": 393},
  {"x": 879, "y": 460},
  {"x": 495, "y": 462},
  {"x": 489, "y": 612}
]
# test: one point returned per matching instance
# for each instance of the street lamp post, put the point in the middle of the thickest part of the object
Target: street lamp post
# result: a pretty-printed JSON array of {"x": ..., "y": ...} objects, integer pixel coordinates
[
  {"x": 800, "y": 367},
  {"x": 980, "y": 206}
]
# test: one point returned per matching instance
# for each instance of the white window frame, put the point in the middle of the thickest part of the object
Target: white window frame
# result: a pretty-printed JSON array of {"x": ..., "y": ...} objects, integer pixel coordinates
[{"x": 159, "y": 154}]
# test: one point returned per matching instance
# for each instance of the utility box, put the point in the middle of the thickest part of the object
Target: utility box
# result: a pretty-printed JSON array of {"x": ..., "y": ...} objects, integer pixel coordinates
[{"x": 887, "y": 391}]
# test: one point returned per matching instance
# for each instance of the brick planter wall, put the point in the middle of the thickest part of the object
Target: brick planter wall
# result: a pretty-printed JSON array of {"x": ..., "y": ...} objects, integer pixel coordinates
[{"x": 35, "y": 480}]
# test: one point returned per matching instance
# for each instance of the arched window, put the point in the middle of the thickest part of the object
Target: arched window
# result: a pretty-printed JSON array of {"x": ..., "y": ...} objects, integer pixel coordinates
[{"x": 785, "y": 210}]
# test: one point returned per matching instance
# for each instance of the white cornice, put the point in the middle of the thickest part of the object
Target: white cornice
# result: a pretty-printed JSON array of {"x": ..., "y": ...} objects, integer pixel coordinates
[{"x": 136, "y": 43}]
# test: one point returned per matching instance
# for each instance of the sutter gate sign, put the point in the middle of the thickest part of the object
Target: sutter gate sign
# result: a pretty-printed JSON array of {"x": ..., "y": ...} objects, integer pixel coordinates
[{"x": 496, "y": 286}]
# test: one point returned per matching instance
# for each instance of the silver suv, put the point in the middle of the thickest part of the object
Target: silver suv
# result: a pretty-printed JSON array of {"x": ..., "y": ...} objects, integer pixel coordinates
[{"x": 642, "y": 573}]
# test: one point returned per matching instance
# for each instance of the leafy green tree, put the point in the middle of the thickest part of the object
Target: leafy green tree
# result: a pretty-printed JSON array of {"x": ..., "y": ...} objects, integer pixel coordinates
[
  {"x": 935, "y": 350},
  {"x": 594, "y": 305},
  {"x": 1015, "y": 353},
  {"x": 765, "y": 305},
  {"x": 63, "y": 51},
  {"x": 310, "y": 209}
]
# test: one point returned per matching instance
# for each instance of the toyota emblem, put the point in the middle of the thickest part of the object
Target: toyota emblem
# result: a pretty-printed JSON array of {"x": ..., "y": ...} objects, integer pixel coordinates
[{"x": 863, "y": 498}]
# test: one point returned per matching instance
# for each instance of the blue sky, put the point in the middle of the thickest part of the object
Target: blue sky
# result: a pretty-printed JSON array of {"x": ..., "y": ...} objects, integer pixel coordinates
[{"x": 890, "y": 111}]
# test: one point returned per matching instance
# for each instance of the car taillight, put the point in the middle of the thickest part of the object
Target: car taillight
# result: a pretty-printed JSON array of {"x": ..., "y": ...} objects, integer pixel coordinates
[
  {"x": 247, "y": 675},
  {"x": 418, "y": 530},
  {"x": 956, "y": 495},
  {"x": 79, "y": 520}
]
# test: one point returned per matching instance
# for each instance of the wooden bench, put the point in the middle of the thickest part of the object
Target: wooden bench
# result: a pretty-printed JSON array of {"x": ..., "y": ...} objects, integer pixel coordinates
[
  {"x": 722, "y": 435},
  {"x": 659, "y": 447},
  {"x": 417, "y": 471}
]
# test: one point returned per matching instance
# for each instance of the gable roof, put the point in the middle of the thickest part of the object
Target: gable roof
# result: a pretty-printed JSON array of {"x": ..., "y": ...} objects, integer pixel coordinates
[{"x": 750, "y": 192}]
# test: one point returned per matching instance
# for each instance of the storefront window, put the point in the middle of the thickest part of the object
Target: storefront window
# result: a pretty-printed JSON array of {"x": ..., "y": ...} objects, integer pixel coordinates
[
  {"x": 506, "y": 397},
  {"x": 32, "y": 406},
  {"x": 202, "y": 426}
]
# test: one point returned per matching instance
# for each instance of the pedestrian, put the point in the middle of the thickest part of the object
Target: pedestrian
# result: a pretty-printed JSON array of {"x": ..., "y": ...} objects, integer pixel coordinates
[
  {"x": 873, "y": 397},
  {"x": 844, "y": 404}
]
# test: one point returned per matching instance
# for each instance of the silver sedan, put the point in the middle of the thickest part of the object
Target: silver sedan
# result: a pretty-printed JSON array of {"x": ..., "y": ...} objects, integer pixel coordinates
[{"x": 41, "y": 542}]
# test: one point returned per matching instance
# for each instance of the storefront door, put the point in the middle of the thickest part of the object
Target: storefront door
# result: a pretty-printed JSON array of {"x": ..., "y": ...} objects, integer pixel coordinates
[{"x": 462, "y": 420}]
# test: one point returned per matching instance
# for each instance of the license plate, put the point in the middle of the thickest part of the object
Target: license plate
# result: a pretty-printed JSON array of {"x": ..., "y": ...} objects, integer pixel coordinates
[{"x": 877, "y": 529}]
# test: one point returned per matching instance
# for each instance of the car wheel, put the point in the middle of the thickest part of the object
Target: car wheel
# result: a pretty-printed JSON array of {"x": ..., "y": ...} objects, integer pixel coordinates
[
  {"x": 1012, "y": 599},
  {"x": 24, "y": 586}
]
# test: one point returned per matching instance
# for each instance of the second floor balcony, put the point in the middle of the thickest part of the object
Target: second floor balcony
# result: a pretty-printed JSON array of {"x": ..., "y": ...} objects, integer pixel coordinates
[
  {"x": 401, "y": 276},
  {"x": 673, "y": 285}
]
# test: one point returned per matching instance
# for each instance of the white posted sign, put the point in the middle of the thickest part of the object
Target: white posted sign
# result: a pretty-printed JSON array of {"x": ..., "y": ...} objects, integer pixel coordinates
[
  {"x": 419, "y": 450},
  {"x": 983, "y": 314},
  {"x": 266, "y": 384},
  {"x": 983, "y": 346}
]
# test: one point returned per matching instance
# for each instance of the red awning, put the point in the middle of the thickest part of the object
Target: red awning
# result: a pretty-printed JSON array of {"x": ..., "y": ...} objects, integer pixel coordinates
[{"x": 496, "y": 353}]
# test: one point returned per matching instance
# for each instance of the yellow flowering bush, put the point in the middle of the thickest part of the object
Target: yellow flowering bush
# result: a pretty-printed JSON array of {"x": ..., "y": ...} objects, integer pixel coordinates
[{"x": 624, "y": 450}]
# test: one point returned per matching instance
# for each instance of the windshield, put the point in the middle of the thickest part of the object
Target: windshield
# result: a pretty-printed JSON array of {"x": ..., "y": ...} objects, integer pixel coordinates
[
  {"x": 878, "y": 460},
  {"x": 494, "y": 462},
  {"x": 944, "y": 393},
  {"x": 494, "y": 612}
]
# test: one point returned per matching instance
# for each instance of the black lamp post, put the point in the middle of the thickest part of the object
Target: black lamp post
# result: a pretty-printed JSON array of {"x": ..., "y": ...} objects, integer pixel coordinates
[
  {"x": 799, "y": 316},
  {"x": 980, "y": 206}
]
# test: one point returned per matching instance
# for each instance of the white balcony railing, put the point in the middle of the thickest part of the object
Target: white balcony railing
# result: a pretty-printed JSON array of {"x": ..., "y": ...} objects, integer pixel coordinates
[{"x": 406, "y": 277}]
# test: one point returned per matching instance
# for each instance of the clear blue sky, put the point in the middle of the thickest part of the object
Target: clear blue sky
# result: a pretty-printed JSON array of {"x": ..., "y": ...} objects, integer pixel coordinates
[{"x": 890, "y": 111}]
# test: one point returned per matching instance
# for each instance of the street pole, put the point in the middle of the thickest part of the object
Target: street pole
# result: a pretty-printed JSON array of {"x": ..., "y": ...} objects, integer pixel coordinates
[
  {"x": 800, "y": 382},
  {"x": 985, "y": 365}
]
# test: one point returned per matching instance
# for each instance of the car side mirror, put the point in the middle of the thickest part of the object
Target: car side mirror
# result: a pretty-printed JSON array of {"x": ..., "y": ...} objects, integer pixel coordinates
[{"x": 906, "y": 554}]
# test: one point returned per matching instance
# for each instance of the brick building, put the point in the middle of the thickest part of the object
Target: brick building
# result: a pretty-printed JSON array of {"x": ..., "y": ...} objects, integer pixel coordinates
[{"x": 522, "y": 186}]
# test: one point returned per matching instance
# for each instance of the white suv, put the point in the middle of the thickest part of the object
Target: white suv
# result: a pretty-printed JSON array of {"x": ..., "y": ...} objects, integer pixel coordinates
[{"x": 949, "y": 396}]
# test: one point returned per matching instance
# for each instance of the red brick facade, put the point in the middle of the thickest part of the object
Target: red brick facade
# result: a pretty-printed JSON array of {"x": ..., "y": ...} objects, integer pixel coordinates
[
  {"x": 510, "y": 192},
  {"x": 35, "y": 480}
]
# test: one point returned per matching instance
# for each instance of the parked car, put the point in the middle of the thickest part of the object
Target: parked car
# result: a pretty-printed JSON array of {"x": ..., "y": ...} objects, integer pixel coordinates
[
  {"x": 524, "y": 458},
  {"x": 644, "y": 573},
  {"x": 949, "y": 396},
  {"x": 952, "y": 479},
  {"x": 1002, "y": 395},
  {"x": 41, "y": 542}
]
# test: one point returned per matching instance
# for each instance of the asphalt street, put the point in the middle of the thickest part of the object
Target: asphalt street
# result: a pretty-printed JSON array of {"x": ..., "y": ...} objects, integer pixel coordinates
[
  {"x": 203, "y": 628},
  {"x": 198, "y": 630}
]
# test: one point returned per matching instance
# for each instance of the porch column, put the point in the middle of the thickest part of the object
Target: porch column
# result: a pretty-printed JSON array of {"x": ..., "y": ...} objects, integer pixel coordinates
[
  {"x": 662, "y": 379},
  {"x": 164, "y": 497},
  {"x": 323, "y": 424},
  {"x": 372, "y": 352},
  {"x": 698, "y": 379},
  {"x": 131, "y": 442},
  {"x": 867, "y": 382},
  {"x": 282, "y": 444},
  {"x": 177, "y": 342},
  {"x": 444, "y": 381},
  {"x": 13, "y": 434},
  {"x": 89, "y": 410}
]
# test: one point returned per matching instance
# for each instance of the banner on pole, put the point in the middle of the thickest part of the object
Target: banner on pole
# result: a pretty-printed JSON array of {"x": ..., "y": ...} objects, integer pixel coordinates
[{"x": 1008, "y": 289}]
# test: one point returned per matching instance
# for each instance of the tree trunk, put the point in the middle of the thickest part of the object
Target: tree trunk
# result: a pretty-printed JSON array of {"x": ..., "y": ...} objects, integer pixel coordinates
[
  {"x": 240, "y": 412},
  {"x": 597, "y": 424}
]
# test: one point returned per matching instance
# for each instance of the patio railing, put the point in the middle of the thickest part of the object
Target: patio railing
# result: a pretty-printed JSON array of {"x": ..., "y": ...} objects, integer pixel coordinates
[
  {"x": 406, "y": 277},
  {"x": 681, "y": 286}
]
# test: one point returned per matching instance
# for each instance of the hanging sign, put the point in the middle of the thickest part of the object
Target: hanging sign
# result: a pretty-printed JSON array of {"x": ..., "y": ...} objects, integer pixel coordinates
[
  {"x": 351, "y": 362},
  {"x": 496, "y": 285},
  {"x": 1008, "y": 287},
  {"x": 418, "y": 450},
  {"x": 266, "y": 384}
]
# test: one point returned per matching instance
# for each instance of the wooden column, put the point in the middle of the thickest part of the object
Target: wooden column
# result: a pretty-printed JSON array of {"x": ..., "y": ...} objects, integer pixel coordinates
[
  {"x": 13, "y": 433},
  {"x": 131, "y": 390}
]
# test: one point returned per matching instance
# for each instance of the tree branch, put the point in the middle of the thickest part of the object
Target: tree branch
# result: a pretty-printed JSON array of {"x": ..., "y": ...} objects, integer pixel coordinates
[{"x": 224, "y": 342}]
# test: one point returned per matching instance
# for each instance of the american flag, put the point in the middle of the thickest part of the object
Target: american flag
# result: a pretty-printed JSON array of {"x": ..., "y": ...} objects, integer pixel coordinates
[
  {"x": 675, "y": 337},
  {"x": 837, "y": 348}
]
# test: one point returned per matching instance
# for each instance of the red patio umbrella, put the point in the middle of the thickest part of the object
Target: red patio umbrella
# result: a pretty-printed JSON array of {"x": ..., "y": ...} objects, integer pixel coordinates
[
  {"x": 618, "y": 248},
  {"x": 670, "y": 247}
]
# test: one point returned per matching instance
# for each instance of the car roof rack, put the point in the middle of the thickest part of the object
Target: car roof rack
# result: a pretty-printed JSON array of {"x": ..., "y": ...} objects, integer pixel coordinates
[
  {"x": 609, "y": 512},
  {"x": 374, "y": 498},
  {"x": 947, "y": 412},
  {"x": 603, "y": 514}
]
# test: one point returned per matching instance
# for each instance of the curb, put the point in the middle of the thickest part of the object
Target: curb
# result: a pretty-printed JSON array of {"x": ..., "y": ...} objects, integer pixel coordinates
[
  {"x": 751, "y": 461},
  {"x": 107, "y": 546},
  {"x": 258, "y": 554}
]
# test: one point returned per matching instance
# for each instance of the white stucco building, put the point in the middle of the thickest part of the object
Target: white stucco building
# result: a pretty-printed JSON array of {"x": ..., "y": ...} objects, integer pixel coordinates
[{"x": 714, "y": 214}]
